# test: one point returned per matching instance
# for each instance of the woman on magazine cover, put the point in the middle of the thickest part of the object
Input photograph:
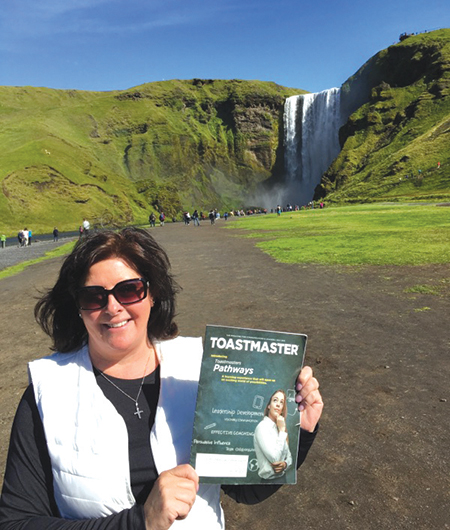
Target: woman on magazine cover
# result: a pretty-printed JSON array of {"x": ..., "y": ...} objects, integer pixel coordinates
[{"x": 271, "y": 439}]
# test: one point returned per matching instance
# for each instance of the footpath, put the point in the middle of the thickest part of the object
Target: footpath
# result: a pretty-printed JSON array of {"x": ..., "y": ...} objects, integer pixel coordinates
[
  {"x": 13, "y": 254},
  {"x": 381, "y": 458}
]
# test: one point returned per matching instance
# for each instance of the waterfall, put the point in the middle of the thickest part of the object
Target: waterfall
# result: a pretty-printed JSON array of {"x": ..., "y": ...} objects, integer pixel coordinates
[{"x": 311, "y": 142}]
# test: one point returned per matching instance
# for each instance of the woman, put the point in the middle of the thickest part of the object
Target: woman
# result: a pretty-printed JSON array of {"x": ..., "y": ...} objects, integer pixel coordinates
[
  {"x": 271, "y": 439},
  {"x": 79, "y": 455}
]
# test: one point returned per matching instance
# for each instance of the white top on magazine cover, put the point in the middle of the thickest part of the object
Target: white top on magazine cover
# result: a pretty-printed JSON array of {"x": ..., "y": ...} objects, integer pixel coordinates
[{"x": 270, "y": 446}]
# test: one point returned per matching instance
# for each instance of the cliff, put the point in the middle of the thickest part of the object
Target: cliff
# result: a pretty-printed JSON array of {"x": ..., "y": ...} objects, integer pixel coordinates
[
  {"x": 115, "y": 156},
  {"x": 395, "y": 142}
]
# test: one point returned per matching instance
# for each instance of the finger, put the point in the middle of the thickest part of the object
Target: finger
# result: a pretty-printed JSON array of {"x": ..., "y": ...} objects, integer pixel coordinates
[
  {"x": 312, "y": 399},
  {"x": 305, "y": 374},
  {"x": 185, "y": 471},
  {"x": 309, "y": 386},
  {"x": 309, "y": 397}
]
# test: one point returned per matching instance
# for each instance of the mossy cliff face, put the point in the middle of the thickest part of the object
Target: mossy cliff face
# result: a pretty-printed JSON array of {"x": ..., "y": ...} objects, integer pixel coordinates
[
  {"x": 395, "y": 142},
  {"x": 116, "y": 156}
]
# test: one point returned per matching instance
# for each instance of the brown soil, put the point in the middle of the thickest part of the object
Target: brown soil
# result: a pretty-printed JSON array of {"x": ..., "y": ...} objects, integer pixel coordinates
[{"x": 381, "y": 459}]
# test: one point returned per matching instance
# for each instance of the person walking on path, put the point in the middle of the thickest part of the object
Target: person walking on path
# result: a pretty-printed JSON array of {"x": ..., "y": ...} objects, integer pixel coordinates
[
  {"x": 55, "y": 234},
  {"x": 25, "y": 237},
  {"x": 86, "y": 227},
  {"x": 3, "y": 240}
]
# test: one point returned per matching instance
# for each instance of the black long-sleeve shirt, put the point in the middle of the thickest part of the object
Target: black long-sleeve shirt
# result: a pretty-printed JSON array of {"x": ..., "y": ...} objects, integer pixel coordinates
[{"x": 27, "y": 501}]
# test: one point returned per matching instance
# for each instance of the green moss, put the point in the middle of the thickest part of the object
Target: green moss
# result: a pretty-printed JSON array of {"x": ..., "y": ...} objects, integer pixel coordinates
[
  {"x": 393, "y": 142},
  {"x": 70, "y": 154}
]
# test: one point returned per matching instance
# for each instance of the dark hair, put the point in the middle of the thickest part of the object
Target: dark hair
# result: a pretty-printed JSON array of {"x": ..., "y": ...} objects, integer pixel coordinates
[
  {"x": 57, "y": 312},
  {"x": 284, "y": 411}
]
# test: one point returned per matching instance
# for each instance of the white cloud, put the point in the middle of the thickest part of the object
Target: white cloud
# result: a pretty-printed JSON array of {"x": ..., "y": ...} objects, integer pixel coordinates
[
  {"x": 25, "y": 21},
  {"x": 38, "y": 15}
]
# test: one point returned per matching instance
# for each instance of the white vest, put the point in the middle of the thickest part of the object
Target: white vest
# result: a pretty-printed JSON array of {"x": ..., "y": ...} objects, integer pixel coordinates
[{"x": 87, "y": 438}]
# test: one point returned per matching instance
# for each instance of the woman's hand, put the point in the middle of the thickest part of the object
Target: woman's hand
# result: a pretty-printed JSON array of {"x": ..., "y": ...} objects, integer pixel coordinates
[
  {"x": 171, "y": 498},
  {"x": 309, "y": 400},
  {"x": 281, "y": 423},
  {"x": 279, "y": 467}
]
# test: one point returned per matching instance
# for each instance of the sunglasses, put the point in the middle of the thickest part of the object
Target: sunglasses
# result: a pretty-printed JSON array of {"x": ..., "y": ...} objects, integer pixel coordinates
[{"x": 126, "y": 293}]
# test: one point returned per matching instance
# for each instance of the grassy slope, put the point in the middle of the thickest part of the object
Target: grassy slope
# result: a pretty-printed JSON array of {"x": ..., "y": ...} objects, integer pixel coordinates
[
  {"x": 116, "y": 155},
  {"x": 403, "y": 130}
]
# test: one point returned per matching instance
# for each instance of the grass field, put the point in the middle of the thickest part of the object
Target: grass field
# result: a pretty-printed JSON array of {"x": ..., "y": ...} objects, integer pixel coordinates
[{"x": 381, "y": 234}]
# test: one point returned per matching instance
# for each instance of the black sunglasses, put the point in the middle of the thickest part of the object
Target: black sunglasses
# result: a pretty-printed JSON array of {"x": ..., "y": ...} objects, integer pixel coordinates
[{"x": 126, "y": 293}]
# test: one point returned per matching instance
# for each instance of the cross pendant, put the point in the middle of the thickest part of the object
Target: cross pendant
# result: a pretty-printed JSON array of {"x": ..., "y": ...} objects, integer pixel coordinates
[{"x": 138, "y": 411}]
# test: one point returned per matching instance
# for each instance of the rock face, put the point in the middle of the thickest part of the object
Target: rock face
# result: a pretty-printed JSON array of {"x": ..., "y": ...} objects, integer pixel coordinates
[
  {"x": 399, "y": 125},
  {"x": 169, "y": 145}
]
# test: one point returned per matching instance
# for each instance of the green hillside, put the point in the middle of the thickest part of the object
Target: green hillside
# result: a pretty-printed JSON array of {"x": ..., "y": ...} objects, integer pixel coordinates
[
  {"x": 115, "y": 156},
  {"x": 400, "y": 131}
]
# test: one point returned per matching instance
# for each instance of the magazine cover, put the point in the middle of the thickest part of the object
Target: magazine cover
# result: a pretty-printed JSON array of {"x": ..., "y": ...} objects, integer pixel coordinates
[{"x": 246, "y": 426}]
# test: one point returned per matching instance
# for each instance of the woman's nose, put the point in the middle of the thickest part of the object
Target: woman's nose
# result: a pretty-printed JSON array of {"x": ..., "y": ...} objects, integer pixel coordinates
[{"x": 112, "y": 305}]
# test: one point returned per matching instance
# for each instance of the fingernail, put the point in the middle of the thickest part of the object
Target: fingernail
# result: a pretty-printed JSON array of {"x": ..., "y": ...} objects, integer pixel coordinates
[
  {"x": 299, "y": 386},
  {"x": 298, "y": 398},
  {"x": 301, "y": 408}
]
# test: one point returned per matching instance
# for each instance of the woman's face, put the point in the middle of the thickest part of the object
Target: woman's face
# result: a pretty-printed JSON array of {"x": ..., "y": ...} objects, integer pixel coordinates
[
  {"x": 116, "y": 331},
  {"x": 276, "y": 406}
]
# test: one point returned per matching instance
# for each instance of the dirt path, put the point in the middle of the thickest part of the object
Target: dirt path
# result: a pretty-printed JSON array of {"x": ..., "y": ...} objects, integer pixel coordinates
[{"x": 381, "y": 460}]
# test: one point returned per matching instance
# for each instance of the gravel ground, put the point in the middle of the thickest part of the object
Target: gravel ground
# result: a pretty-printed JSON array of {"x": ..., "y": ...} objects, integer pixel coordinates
[
  {"x": 13, "y": 255},
  {"x": 381, "y": 459}
]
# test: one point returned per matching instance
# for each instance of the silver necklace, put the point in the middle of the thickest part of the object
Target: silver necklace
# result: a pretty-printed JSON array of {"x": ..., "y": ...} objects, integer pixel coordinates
[{"x": 138, "y": 410}]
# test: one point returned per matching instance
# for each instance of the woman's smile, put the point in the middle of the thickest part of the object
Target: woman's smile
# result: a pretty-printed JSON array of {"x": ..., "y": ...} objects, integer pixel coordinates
[
  {"x": 116, "y": 332},
  {"x": 117, "y": 325}
]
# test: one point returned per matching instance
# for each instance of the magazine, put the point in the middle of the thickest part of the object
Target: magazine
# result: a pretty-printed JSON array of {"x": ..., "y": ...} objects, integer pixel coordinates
[{"x": 246, "y": 426}]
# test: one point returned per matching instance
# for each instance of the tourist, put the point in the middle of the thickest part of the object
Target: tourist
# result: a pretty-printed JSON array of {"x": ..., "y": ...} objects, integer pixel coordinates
[
  {"x": 86, "y": 227},
  {"x": 3, "y": 240},
  {"x": 79, "y": 453},
  {"x": 55, "y": 235},
  {"x": 25, "y": 236}
]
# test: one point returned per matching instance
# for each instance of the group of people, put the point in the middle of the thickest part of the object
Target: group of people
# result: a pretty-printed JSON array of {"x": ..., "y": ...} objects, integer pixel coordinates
[
  {"x": 24, "y": 237},
  {"x": 99, "y": 439},
  {"x": 152, "y": 219},
  {"x": 84, "y": 228},
  {"x": 295, "y": 208},
  {"x": 195, "y": 217}
]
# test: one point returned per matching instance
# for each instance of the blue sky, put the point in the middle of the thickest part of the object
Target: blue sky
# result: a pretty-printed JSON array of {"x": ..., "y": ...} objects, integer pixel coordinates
[{"x": 118, "y": 44}]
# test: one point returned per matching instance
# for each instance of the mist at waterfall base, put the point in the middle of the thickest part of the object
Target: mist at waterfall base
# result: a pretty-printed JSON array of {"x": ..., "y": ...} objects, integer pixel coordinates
[{"x": 311, "y": 143}]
